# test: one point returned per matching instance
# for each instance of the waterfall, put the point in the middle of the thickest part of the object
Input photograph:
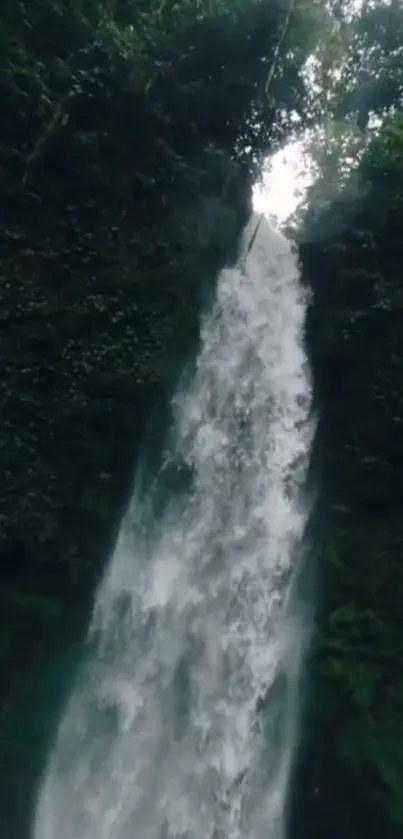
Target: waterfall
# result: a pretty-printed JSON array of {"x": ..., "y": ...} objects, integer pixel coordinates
[{"x": 184, "y": 717}]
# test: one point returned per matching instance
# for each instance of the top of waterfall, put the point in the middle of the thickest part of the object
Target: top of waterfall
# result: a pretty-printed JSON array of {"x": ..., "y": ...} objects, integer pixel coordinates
[{"x": 259, "y": 231}]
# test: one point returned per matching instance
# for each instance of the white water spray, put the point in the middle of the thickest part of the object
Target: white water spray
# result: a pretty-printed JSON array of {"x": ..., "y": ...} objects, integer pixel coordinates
[{"x": 183, "y": 722}]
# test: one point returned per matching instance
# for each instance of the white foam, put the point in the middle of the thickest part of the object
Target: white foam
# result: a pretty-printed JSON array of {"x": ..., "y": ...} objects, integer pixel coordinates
[{"x": 182, "y": 725}]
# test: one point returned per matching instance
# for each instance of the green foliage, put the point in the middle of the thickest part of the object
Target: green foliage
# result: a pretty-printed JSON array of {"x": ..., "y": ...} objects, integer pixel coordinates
[
  {"x": 353, "y": 257},
  {"x": 383, "y": 164},
  {"x": 130, "y": 134},
  {"x": 156, "y": 58},
  {"x": 356, "y": 85},
  {"x": 372, "y": 79}
]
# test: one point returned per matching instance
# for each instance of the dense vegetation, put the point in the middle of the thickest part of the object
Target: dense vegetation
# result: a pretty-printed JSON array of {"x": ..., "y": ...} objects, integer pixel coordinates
[
  {"x": 350, "y": 778},
  {"x": 130, "y": 136},
  {"x": 352, "y": 759}
]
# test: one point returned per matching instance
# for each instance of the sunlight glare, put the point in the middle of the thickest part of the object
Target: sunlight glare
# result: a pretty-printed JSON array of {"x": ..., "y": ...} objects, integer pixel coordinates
[{"x": 284, "y": 181}]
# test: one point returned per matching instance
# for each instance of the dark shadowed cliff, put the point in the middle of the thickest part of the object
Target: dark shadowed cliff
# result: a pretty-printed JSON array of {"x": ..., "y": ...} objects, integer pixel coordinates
[{"x": 130, "y": 136}]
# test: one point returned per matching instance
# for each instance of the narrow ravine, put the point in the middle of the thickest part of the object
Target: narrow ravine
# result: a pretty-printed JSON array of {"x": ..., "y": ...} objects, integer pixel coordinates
[{"x": 183, "y": 722}]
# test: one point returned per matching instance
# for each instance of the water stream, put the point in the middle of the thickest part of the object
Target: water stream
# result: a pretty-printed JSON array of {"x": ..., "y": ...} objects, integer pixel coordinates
[{"x": 184, "y": 719}]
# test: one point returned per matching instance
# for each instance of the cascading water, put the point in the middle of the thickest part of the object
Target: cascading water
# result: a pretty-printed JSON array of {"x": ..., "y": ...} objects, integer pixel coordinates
[{"x": 183, "y": 722}]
